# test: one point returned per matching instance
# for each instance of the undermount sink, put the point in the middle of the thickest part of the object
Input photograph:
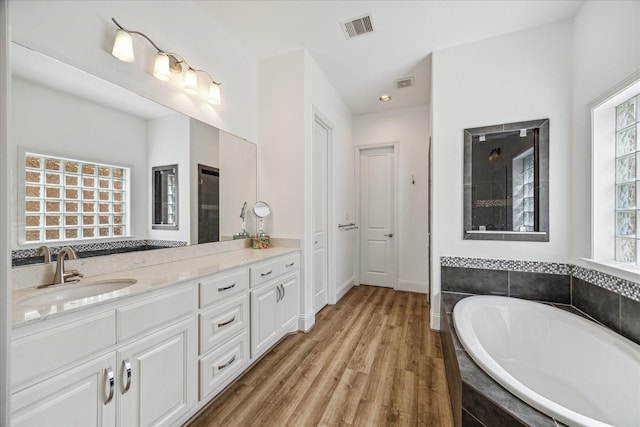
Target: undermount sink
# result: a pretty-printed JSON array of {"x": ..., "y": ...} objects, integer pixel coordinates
[{"x": 75, "y": 291}]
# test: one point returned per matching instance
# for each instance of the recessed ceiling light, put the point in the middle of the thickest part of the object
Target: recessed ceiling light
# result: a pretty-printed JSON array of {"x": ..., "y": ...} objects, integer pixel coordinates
[{"x": 385, "y": 98}]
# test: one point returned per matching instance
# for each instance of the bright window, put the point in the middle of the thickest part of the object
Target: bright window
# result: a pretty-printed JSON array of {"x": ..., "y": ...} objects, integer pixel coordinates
[
  {"x": 67, "y": 199},
  {"x": 615, "y": 180},
  {"x": 627, "y": 206}
]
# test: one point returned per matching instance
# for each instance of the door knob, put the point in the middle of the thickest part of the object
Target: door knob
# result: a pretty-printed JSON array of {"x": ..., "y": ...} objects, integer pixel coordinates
[{"x": 389, "y": 235}]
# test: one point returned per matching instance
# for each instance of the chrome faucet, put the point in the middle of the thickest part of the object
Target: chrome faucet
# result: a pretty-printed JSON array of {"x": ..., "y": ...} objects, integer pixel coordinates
[{"x": 62, "y": 276}]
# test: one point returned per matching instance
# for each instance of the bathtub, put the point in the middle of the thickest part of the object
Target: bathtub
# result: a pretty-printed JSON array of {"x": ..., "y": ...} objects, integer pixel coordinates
[{"x": 570, "y": 368}]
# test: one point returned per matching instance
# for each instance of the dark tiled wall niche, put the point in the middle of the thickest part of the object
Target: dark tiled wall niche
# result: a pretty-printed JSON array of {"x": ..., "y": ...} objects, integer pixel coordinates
[{"x": 476, "y": 398}]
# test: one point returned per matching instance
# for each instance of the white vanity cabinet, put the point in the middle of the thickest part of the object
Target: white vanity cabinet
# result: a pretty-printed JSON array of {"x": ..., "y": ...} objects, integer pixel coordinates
[
  {"x": 157, "y": 357},
  {"x": 82, "y": 396},
  {"x": 109, "y": 366},
  {"x": 224, "y": 329},
  {"x": 274, "y": 303},
  {"x": 157, "y": 373}
]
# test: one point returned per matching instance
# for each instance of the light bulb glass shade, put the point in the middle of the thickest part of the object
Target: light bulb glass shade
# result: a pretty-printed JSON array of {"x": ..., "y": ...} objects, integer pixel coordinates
[
  {"x": 123, "y": 46},
  {"x": 214, "y": 93},
  {"x": 161, "y": 67},
  {"x": 191, "y": 82}
]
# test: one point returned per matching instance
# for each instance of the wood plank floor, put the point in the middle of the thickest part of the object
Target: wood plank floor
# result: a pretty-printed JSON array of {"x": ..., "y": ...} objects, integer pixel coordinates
[{"x": 370, "y": 360}]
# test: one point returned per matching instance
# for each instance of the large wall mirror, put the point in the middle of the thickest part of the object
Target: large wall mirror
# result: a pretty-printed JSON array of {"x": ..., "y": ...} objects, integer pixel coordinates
[
  {"x": 506, "y": 182},
  {"x": 71, "y": 119}
]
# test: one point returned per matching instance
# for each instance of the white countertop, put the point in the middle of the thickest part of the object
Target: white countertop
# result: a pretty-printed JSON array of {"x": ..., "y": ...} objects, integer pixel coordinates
[{"x": 148, "y": 278}]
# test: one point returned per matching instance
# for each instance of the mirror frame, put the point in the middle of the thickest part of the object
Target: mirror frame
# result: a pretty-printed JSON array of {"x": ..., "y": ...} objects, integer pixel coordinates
[
  {"x": 542, "y": 170},
  {"x": 155, "y": 196}
]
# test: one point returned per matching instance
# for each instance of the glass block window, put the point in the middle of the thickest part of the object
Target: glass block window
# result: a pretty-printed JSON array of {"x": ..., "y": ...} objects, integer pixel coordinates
[
  {"x": 627, "y": 209},
  {"x": 66, "y": 199},
  {"x": 528, "y": 200}
]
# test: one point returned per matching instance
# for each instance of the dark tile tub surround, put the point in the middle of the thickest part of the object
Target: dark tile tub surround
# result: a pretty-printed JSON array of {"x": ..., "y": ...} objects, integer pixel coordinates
[
  {"x": 27, "y": 256},
  {"x": 609, "y": 300}
]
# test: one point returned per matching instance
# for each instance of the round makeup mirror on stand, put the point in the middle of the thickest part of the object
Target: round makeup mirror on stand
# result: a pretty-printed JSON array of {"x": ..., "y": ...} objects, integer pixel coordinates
[{"x": 261, "y": 210}]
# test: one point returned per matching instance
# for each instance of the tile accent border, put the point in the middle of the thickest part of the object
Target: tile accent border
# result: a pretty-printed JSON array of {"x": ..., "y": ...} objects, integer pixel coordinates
[
  {"x": 506, "y": 265},
  {"x": 611, "y": 283},
  {"x": 615, "y": 284},
  {"x": 99, "y": 246}
]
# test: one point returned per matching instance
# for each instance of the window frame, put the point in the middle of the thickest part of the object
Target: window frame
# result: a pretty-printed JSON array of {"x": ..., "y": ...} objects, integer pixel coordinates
[
  {"x": 128, "y": 213},
  {"x": 602, "y": 173}
]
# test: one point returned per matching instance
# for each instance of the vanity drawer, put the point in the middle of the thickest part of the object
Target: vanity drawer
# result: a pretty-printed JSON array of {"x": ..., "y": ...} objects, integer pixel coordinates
[
  {"x": 151, "y": 313},
  {"x": 263, "y": 272},
  {"x": 218, "y": 287},
  {"x": 223, "y": 321},
  {"x": 42, "y": 352},
  {"x": 289, "y": 263},
  {"x": 220, "y": 367}
]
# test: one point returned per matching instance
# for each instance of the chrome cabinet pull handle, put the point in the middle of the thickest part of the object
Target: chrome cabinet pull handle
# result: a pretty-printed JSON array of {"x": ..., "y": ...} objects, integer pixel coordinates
[
  {"x": 233, "y": 359},
  {"x": 267, "y": 273},
  {"x": 220, "y": 325},
  {"x": 126, "y": 367},
  {"x": 289, "y": 265},
  {"x": 283, "y": 292},
  {"x": 389, "y": 235},
  {"x": 278, "y": 295},
  {"x": 227, "y": 287},
  {"x": 108, "y": 376}
]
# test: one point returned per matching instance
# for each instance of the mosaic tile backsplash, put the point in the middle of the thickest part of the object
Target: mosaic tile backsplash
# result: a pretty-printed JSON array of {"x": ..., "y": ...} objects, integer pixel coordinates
[
  {"x": 611, "y": 283},
  {"x": 115, "y": 246}
]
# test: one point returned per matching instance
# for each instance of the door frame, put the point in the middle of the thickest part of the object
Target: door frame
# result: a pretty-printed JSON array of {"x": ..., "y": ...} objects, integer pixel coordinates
[
  {"x": 396, "y": 223},
  {"x": 331, "y": 220}
]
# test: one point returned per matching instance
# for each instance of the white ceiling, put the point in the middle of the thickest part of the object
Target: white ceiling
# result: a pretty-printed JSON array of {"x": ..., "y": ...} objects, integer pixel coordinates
[{"x": 406, "y": 32}]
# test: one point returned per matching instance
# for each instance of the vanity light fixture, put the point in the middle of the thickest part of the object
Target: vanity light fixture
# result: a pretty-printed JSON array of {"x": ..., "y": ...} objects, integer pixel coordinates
[
  {"x": 385, "y": 98},
  {"x": 165, "y": 64}
]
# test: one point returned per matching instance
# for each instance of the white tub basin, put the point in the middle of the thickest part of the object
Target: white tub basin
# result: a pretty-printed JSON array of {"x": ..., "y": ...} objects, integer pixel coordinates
[
  {"x": 568, "y": 367},
  {"x": 75, "y": 291}
]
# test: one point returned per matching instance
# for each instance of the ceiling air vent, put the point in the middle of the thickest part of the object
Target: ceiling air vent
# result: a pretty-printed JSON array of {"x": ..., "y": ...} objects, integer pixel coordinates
[
  {"x": 406, "y": 82},
  {"x": 358, "y": 27}
]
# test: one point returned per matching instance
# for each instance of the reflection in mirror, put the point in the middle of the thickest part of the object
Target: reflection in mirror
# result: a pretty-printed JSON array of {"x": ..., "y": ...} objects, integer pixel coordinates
[
  {"x": 60, "y": 111},
  {"x": 165, "y": 197},
  {"x": 506, "y": 182}
]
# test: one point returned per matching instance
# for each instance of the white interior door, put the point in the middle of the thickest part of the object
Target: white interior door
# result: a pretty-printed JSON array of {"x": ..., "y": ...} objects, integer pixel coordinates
[
  {"x": 320, "y": 221},
  {"x": 377, "y": 183}
]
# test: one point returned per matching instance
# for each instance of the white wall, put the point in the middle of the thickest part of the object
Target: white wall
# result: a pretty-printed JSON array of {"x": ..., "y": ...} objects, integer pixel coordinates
[
  {"x": 56, "y": 123},
  {"x": 322, "y": 99},
  {"x": 292, "y": 90},
  {"x": 81, "y": 34},
  {"x": 281, "y": 148},
  {"x": 168, "y": 145},
  {"x": 606, "y": 50},
  {"x": 520, "y": 76},
  {"x": 410, "y": 128}
]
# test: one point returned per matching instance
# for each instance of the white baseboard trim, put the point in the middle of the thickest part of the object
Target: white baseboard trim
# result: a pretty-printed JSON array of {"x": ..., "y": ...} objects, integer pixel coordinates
[
  {"x": 344, "y": 288},
  {"x": 435, "y": 322},
  {"x": 413, "y": 286},
  {"x": 306, "y": 321}
]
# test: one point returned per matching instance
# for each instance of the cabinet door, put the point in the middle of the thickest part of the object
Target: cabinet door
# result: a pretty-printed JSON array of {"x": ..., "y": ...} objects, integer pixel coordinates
[
  {"x": 288, "y": 304},
  {"x": 264, "y": 318},
  {"x": 157, "y": 376},
  {"x": 79, "y": 397}
]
